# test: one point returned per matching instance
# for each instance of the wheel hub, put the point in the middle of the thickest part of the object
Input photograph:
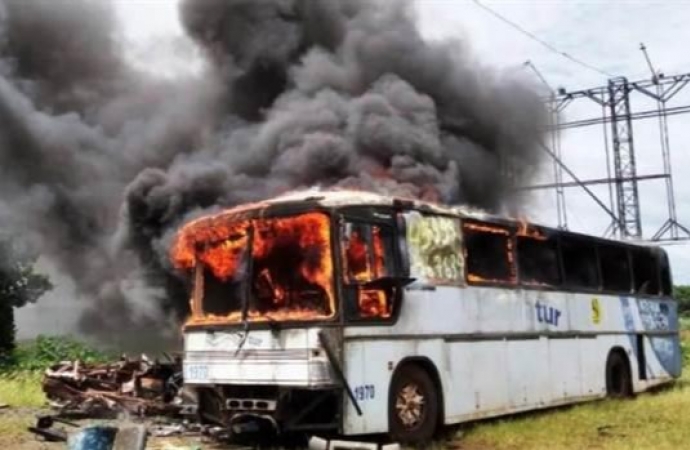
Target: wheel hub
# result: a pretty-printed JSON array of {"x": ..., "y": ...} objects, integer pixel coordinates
[{"x": 410, "y": 405}]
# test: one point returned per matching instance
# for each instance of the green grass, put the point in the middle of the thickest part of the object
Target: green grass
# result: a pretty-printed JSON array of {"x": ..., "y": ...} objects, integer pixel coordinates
[
  {"x": 653, "y": 421},
  {"x": 22, "y": 389},
  {"x": 20, "y": 380},
  {"x": 44, "y": 351}
]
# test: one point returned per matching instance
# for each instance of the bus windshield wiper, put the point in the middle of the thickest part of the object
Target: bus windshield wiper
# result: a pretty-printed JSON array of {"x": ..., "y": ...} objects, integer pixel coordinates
[
  {"x": 245, "y": 322},
  {"x": 245, "y": 335},
  {"x": 247, "y": 289}
]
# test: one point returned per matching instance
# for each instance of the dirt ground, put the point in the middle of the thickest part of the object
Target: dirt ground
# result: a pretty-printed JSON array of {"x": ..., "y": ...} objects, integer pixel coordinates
[{"x": 15, "y": 435}]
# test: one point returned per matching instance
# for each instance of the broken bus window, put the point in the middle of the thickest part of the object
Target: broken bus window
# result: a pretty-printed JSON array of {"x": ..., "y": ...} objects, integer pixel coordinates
[
  {"x": 224, "y": 273},
  {"x": 645, "y": 270},
  {"x": 434, "y": 246},
  {"x": 291, "y": 276},
  {"x": 538, "y": 261},
  {"x": 615, "y": 268},
  {"x": 666, "y": 284},
  {"x": 579, "y": 257},
  {"x": 488, "y": 253},
  {"x": 368, "y": 255}
]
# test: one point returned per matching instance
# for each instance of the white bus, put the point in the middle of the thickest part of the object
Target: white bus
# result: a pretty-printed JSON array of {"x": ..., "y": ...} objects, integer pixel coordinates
[{"x": 353, "y": 313}]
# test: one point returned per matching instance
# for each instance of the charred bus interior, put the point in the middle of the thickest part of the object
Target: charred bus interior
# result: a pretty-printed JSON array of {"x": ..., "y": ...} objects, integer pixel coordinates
[
  {"x": 265, "y": 269},
  {"x": 528, "y": 256},
  {"x": 282, "y": 268}
]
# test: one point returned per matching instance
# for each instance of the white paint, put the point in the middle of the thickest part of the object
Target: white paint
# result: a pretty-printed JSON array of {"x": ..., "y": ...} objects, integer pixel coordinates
[
  {"x": 290, "y": 358},
  {"x": 494, "y": 377}
]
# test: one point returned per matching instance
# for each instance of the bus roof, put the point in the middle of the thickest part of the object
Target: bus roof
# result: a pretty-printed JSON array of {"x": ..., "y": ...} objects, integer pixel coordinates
[
  {"x": 344, "y": 197},
  {"x": 335, "y": 198}
]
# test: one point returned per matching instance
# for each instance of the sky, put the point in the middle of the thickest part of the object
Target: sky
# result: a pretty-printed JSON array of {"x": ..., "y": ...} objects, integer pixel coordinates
[{"x": 604, "y": 35}]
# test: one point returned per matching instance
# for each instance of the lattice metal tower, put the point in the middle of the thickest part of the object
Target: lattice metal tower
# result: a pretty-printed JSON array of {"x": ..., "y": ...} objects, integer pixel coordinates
[
  {"x": 627, "y": 194},
  {"x": 617, "y": 117}
]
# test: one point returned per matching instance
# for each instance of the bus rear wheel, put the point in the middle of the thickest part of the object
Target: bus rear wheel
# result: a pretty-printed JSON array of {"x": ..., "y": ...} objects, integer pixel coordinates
[
  {"x": 413, "y": 406},
  {"x": 618, "y": 376}
]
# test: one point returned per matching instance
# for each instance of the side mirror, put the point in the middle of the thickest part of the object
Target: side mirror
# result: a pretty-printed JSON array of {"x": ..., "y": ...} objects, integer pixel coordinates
[{"x": 388, "y": 282}]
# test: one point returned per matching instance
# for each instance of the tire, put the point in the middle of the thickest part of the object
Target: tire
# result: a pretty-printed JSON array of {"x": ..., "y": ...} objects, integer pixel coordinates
[
  {"x": 413, "y": 406},
  {"x": 618, "y": 376}
]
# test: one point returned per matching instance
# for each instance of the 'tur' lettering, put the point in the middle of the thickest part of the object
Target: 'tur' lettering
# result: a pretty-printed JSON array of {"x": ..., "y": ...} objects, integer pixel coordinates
[{"x": 547, "y": 314}]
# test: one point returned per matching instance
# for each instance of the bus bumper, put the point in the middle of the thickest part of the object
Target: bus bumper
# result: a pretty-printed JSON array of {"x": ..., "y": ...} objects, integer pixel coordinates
[{"x": 246, "y": 409}]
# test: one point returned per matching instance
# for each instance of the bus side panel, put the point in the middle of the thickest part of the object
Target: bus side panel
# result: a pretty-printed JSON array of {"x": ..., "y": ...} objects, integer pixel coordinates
[
  {"x": 593, "y": 353},
  {"x": 460, "y": 398},
  {"x": 490, "y": 375},
  {"x": 369, "y": 367},
  {"x": 662, "y": 357},
  {"x": 529, "y": 372},
  {"x": 579, "y": 365},
  {"x": 495, "y": 377},
  {"x": 661, "y": 351},
  {"x": 564, "y": 369}
]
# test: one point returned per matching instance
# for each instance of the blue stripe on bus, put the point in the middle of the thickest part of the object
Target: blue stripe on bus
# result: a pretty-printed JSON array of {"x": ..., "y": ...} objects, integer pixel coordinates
[
  {"x": 665, "y": 348},
  {"x": 629, "y": 323}
]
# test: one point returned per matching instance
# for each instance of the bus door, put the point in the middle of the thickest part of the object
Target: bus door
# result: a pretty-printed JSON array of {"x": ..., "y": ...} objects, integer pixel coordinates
[{"x": 371, "y": 273}]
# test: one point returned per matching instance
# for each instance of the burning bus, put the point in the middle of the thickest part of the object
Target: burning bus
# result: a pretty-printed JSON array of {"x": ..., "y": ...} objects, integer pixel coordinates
[{"x": 355, "y": 313}]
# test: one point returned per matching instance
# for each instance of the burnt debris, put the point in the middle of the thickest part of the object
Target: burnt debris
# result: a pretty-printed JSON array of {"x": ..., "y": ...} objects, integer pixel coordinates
[{"x": 136, "y": 387}]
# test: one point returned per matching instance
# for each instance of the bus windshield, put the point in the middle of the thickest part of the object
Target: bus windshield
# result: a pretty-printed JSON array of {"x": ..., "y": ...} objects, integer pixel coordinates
[{"x": 275, "y": 269}]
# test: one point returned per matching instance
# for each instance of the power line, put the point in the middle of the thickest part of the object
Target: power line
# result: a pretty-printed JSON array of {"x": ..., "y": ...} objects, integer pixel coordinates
[{"x": 541, "y": 41}]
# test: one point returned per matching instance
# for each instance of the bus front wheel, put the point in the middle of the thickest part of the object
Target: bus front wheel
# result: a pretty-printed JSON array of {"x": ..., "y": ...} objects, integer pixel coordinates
[
  {"x": 413, "y": 406},
  {"x": 618, "y": 376}
]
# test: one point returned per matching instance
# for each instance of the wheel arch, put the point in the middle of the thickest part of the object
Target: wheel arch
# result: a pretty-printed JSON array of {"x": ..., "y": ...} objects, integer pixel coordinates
[
  {"x": 619, "y": 350},
  {"x": 430, "y": 368}
]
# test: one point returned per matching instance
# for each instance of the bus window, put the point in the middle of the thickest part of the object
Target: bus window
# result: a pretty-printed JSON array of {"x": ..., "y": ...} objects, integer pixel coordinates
[
  {"x": 645, "y": 271},
  {"x": 489, "y": 253},
  {"x": 666, "y": 283},
  {"x": 357, "y": 261},
  {"x": 615, "y": 268},
  {"x": 367, "y": 256},
  {"x": 579, "y": 258},
  {"x": 434, "y": 248},
  {"x": 538, "y": 261}
]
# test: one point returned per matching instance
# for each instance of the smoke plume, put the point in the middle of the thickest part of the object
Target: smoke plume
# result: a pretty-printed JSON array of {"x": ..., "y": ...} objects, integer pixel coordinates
[{"x": 99, "y": 163}]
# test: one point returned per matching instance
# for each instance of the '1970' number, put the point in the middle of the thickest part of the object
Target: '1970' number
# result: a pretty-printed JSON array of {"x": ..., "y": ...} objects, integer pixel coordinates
[{"x": 364, "y": 392}]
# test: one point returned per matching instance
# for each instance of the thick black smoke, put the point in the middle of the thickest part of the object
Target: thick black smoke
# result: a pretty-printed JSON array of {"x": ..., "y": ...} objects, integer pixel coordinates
[{"x": 99, "y": 164}]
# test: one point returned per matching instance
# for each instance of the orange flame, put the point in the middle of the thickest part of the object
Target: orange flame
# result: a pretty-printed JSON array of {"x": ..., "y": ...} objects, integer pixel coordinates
[
  {"x": 372, "y": 302},
  {"x": 220, "y": 243},
  {"x": 524, "y": 230},
  {"x": 311, "y": 232},
  {"x": 486, "y": 228},
  {"x": 357, "y": 258}
]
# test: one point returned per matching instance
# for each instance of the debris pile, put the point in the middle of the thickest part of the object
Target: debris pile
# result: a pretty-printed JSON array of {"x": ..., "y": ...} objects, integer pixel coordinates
[{"x": 140, "y": 387}]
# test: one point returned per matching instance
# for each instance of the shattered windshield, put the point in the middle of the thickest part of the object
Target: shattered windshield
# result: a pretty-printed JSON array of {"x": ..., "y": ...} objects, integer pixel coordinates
[
  {"x": 225, "y": 268},
  {"x": 289, "y": 275}
]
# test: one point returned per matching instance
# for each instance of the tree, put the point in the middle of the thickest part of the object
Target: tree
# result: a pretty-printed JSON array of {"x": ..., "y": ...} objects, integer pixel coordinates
[
  {"x": 682, "y": 295},
  {"x": 19, "y": 285}
]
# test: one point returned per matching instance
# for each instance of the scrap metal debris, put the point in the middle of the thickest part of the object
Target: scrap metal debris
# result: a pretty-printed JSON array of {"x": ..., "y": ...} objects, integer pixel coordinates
[
  {"x": 140, "y": 387},
  {"x": 44, "y": 428}
]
